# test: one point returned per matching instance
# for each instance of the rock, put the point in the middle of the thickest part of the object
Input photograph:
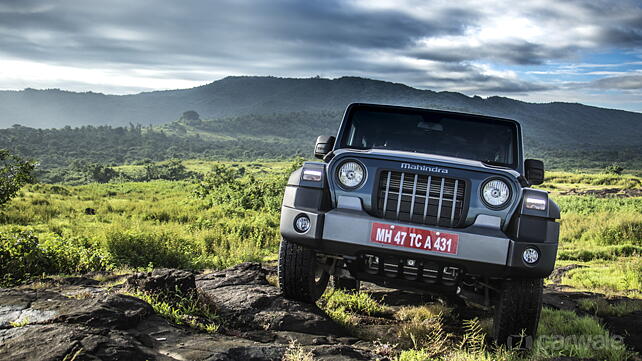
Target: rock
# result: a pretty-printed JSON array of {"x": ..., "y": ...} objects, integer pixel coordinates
[
  {"x": 163, "y": 281},
  {"x": 62, "y": 342},
  {"x": 242, "y": 294},
  {"x": 77, "y": 319},
  {"x": 115, "y": 311}
]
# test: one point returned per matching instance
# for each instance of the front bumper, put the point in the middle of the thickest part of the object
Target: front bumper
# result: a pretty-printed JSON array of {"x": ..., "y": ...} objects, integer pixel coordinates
[{"x": 484, "y": 250}]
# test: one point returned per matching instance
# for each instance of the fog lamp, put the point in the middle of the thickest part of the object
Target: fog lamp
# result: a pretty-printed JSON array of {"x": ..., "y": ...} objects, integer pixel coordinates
[
  {"x": 530, "y": 255},
  {"x": 302, "y": 223}
]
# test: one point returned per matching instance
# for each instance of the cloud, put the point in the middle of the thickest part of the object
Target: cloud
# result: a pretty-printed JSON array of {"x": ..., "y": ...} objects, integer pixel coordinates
[
  {"x": 619, "y": 82},
  {"x": 474, "y": 46}
]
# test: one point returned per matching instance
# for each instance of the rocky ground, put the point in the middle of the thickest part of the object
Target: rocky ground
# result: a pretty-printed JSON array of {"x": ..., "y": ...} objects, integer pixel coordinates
[{"x": 80, "y": 318}]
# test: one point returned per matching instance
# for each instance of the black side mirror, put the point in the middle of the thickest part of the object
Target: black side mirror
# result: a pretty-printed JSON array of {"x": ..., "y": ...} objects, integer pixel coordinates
[
  {"x": 534, "y": 171},
  {"x": 323, "y": 146}
]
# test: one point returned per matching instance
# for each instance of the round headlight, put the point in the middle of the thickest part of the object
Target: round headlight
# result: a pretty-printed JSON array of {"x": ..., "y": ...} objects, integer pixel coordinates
[
  {"x": 496, "y": 193},
  {"x": 351, "y": 174}
]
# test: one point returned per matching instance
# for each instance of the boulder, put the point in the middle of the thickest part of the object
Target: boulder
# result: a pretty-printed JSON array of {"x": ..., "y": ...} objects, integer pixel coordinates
[
  {"x": 163, "y": 280},
  {"x": 243, "y": 295}
]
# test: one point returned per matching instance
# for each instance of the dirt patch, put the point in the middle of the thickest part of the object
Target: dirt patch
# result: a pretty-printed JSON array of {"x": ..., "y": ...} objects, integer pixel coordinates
[{"x": 558, "y": 273}]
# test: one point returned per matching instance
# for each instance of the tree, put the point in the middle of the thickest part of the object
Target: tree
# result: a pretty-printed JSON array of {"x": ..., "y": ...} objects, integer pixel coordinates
[
  {"x": 190, "y": 115},
  {"x": 170, "y": 170},
  {"x": 14, "y": 173},
  {"x": 614, "y": 168}
]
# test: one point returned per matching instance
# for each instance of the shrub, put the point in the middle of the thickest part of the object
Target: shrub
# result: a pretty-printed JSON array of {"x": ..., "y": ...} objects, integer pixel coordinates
[
  {"x": 14, "y": 173},
  {"x": 23, "y": 256},
  {"x": 140, "y": 249},
  {"x": 614, "y": 168}
]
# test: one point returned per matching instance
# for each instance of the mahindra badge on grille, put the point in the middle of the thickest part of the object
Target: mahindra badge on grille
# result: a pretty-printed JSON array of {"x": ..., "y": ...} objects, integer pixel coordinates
[{"x": 424, "y": 168}]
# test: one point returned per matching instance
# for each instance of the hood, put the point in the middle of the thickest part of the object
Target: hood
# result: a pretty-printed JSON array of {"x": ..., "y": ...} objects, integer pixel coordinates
[{"x": 421, "y": 158}]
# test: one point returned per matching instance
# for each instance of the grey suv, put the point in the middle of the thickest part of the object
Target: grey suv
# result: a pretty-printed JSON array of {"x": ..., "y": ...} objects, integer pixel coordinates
[{"x": 424, "y": 200}]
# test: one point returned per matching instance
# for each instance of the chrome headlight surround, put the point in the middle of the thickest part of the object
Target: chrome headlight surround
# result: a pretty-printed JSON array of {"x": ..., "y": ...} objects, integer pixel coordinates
[
  {"x": 501, "y": 186},
  {"x": 353, "y": 173}
]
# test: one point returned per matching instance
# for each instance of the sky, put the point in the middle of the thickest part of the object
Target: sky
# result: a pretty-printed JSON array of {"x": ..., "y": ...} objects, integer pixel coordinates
[{"x": 539, "y": 51}]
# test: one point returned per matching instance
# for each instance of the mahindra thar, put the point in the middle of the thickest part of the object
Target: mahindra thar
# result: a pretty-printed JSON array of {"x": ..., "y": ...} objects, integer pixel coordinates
[{"x": 423, "y": 200}]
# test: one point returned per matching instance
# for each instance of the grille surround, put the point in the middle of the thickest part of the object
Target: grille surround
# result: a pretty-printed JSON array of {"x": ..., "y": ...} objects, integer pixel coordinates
[{"x": 411, "y": 206}]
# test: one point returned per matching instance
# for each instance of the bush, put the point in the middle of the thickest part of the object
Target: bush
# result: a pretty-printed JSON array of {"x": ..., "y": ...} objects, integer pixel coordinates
[
  {"x": 24, "y": 256},
  {"x": 141, "y": 249},
  {"x": 225, "y": 185},
  {"x": 14, "y": 173},
  {"x": 614, "y": 168},
  {"x": 21, "y": 258}
]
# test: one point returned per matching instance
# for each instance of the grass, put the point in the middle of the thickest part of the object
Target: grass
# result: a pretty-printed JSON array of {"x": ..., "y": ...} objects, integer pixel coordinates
[
  {"x": 142, "y": 224},
  {"x": 561, "y": 334},
  {"x": 564, "y": 180},
  {"x": 602, "y": 307},
  {"x": 621, "y": 277},
  {"x": 181, "y": 310},
  {"x": 564, "y": 333},
  {"x": 422, "y": 312},
  {"x": 345, "y": 307},
  {"x": 20, "y": 322},
  {"x": 295, "y": 352}
]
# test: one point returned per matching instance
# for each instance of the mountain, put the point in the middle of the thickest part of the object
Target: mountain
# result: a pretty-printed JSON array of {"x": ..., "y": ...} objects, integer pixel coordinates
[{"x": 545, "y": 124}]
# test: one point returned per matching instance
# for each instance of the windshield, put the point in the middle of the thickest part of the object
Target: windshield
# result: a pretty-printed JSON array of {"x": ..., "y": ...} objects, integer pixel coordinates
[{"x": 487, "y": 140}]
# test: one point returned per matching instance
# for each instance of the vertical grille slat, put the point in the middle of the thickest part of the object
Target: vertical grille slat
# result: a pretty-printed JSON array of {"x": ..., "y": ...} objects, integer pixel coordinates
[
  {"x": 414, "y": 194},
  {"x": 427, "y": 199},
  {"x": 385, "y": 197},
  {"x": 400, "y": 194},
  {"x": 454, "y": 204},
  {"x": 441, "y": 199}
]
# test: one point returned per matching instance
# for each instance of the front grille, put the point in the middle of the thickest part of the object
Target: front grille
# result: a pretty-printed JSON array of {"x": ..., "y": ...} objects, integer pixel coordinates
[{"x": 402, "y": 196}]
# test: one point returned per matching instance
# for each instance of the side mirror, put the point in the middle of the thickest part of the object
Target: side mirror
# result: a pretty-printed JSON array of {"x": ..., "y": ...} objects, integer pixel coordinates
[
  {"x": 534, "y": 171},
  {"x": 323, "y": 146}
]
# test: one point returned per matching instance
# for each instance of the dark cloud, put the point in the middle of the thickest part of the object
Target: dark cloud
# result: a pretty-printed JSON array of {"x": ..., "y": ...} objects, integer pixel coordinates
[
  {"x": 509, "y": 52},
  {"x": 625, "y": 82},
  {"x": 191, "y": 39}
]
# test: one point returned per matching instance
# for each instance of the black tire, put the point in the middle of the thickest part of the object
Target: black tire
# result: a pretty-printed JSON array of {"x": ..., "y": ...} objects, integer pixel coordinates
[
  {"x": 301, "y": 278},
  {"x": 346, "y": 284},
  {"x": 517, "y": 312}
]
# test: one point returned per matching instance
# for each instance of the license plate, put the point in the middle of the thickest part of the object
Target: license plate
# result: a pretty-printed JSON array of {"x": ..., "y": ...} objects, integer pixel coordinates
[{"x": 417, "y": 238}]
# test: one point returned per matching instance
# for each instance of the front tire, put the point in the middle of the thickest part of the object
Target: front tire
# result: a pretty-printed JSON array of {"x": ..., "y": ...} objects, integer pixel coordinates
[
  {"x": 517, "y": 312},
  {"x": 301, "y": 277}
]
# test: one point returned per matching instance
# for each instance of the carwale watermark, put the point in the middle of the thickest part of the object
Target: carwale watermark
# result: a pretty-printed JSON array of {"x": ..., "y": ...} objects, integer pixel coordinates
[{"x": 561, "y": 342}]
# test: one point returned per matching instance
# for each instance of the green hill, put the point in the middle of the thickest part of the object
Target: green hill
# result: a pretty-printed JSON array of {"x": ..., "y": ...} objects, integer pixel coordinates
[{"x": 549, "y": 124}]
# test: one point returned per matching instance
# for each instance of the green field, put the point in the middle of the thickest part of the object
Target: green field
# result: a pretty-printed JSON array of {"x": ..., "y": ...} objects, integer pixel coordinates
[
  {"x": 216, "y": 222},
  {"x": 229, "y": 213}
]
